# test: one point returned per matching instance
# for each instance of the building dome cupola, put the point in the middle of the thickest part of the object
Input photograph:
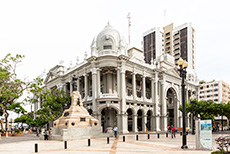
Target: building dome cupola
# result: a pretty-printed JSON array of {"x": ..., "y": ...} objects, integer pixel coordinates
[{"x": 108, "y": 42}]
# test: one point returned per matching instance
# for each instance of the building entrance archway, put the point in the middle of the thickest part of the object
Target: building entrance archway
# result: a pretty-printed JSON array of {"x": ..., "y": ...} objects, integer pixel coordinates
[
  {"x": 149, "y": 119},
  {"x": 172, "y": 107},
  {"x": 130, "y": 120},
  {"x": 139, "y": 120},
  {"x": 108, "y": 118}
]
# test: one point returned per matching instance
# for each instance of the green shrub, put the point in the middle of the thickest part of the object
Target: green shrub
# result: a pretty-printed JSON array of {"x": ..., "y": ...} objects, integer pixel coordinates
[{"x": 17, "y": 131}]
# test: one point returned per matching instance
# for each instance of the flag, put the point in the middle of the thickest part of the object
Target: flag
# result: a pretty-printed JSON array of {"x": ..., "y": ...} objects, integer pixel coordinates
[{"x": 140, "y": 86}]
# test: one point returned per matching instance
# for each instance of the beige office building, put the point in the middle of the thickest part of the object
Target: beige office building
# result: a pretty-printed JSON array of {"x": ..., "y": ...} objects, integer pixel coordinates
[{"x": 218, "y": 91}]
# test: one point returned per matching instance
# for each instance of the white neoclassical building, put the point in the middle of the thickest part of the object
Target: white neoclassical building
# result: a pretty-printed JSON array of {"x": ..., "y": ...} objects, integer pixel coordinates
[{"x": 119, "y": 88}]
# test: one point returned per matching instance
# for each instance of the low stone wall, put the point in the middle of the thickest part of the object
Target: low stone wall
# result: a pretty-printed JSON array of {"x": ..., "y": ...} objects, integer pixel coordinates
[{"x": 68, "y": 134}]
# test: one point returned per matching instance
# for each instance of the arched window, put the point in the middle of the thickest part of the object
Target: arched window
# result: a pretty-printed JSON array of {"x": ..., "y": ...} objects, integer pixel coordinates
[{"x": 107, "y": 44}]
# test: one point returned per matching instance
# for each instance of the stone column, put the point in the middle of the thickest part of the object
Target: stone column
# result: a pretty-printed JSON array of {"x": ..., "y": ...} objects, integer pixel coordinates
[
  {"x": 109, "y": 83},
  {"x": 143, "y": 85},
  {"x": 119, "y": 123},
  {"x": 114, "y": 84},
  {"x": 156, "y": 100},
  {"x": 188, "y": 121},
  {"x": 152, "y": 90},
  {"x": 86, "y": 87},
  {"x": 134, "y": 86},
  {"x": 123, "y": 102},
  {"x": 118, "y": 82},
  {"x": 164, "y": 106},
  {"x": 78, "y": 84},
  {"x": 64, "y": 87},
  {"x": 94, "y": 90},
  {"x": 144, "y": 122},
  {"x": 98, "y": 82},
  {"x": 70, "y": 87},
  {"x": 177, "y": 124},
  {"x": 135, "y": 123},
  {"x": 99, "y": 118}
]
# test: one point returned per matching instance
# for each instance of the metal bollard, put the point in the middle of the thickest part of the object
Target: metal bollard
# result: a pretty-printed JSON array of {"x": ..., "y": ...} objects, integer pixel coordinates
[
  {"x": 65, "y": 144},
  {"x": 123, "y": 138},
  {"x": 107, "y": 140},
  {"x": 180, "y": 133},
  {"x": 167, "y": 135},
  {"x": 158, "y": 135},
  {"x": 36, "y": 147},
  {"x": 148, "y": 136},
  {"x": 136, "y": 137},
  {"x": 88, "y": 142}
]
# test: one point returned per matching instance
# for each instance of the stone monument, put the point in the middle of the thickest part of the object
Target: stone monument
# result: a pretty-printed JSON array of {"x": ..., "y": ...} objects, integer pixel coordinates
[{"x": 75, "y": 122}]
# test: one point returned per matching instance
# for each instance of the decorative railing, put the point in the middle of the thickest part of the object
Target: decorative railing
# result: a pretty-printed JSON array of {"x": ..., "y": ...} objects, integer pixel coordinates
[
  {"x": 129, "y": 97},
  {"x": 139, "y": 99},
  {"x": 148, "y": 100},
  {"x": 109, "y": 95}
]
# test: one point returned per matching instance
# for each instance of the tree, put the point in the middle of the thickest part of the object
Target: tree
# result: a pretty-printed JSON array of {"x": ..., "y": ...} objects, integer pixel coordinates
[
  {"x": 226, "y": 110},
  {"x": 53, "y": 103},
  {"x": 11, "y": 87},
  {"x": 205, "y": 109}
]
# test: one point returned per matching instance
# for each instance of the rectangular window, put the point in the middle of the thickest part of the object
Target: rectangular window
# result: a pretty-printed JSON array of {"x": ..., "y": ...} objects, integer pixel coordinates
[
  {"x": 107, "y": 47},
  {"x": 129, "y": 92},
  {"x": 82, "y": 119}
]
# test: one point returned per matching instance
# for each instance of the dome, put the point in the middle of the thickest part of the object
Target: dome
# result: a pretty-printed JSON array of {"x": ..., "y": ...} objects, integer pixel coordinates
[{"x": 108, "y": 41}]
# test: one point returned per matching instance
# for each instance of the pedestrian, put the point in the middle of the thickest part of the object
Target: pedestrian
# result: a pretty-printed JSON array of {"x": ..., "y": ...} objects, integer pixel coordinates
[
  {"x": 50, "y": 132},
  {"x": 169, "y": 128},
  {"x": 115, "y": 131},
  {"x": 46, "y": 134},
  {"x": 37, "y": 132},
  {"x": 173, "y": 131}
]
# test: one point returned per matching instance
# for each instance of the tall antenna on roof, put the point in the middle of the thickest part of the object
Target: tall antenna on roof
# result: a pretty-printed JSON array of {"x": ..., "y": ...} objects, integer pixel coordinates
[
  {"x": 129, "y": 25},
  {"x": 164, "y": 17}
]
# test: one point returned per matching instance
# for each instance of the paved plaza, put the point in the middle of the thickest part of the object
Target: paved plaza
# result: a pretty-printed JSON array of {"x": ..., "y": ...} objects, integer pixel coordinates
[{"x": 162, "y": 145}]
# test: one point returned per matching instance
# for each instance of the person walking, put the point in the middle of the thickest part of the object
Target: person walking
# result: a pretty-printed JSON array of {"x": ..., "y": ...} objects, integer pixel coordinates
[
  {"x": 46, "y": 134},
  {"x": 173, "y": 131},
  {"x": 115, "y": 131},
  {"x": 169, "y": 128},
  {"x": 37, "y": 132}
]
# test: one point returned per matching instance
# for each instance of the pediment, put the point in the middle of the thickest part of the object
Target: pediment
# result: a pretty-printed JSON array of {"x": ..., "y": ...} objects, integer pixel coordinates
[
  {"x": 53, "y": 73},
  {"x": 173, "y": 72}
]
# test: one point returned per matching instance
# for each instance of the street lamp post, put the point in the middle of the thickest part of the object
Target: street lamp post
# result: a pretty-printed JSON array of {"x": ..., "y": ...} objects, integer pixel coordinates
[
  {"x": 193, "y": 101},
  {"x": 183, "y": 65}
]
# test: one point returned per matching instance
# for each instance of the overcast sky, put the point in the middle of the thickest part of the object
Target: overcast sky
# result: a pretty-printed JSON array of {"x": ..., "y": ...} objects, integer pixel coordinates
[{"x": 47, "y": 31}]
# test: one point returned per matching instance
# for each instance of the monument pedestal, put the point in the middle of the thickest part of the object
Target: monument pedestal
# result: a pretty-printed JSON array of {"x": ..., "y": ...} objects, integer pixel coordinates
[{"x": 76, "y": 123}]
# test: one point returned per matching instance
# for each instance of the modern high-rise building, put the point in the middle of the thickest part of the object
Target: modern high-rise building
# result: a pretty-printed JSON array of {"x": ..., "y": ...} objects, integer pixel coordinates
[
  {"x": 168, "y": 41},
  {"x": 177, "y": 42},
  {"x": 184, "y": 44},
  {"x": 153, "y": 44},
  {"x": 218, "y": 91}
]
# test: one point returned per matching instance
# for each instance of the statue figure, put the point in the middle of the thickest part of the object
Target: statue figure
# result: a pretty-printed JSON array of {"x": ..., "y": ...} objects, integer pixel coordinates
[{"x": 75, "y": 99}]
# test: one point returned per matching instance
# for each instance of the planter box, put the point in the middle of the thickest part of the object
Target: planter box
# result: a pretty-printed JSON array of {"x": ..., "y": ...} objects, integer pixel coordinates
[{"x": 17, "y": 135}]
